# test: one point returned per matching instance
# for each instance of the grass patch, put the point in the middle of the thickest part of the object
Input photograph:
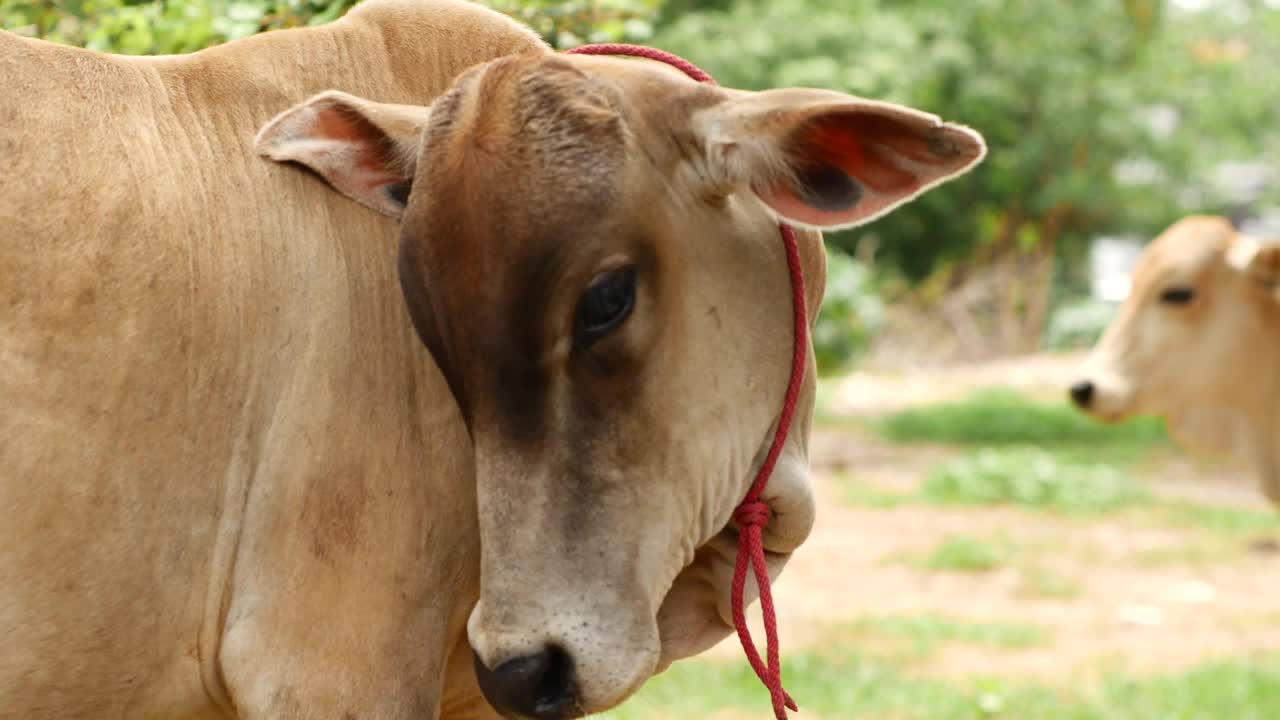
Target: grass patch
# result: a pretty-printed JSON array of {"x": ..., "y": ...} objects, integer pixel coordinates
[
  {"x": 860, "y": 494},
  {"x": 925, "y": 633},
  {"x": 1209, "y": 534},
  {"x": 1024, "y": 477},
  {"x": 1042, "y": 584},
  {"x": 1188, "y": 554},
  {"x": 1220, "y": 519},
  {"x": 844, "y": 685},
  {"x": 1032, "y": 478},
  {"x": 965, "y": 553},
  {"x": 1004, "y": 417}
]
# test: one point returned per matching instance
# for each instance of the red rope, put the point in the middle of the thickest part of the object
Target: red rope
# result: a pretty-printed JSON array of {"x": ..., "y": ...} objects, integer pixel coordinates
[
  {"x": 753, "y": 514},
  {"x": 674, "y": 61}
]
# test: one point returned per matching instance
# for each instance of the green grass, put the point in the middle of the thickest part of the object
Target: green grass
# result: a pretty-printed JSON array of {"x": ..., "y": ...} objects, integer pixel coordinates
[
  {"x": 1039, "y": 583},
  {"x": 1031, "y": 477},
  {"x": 1210, "y": 534},
  {"x": 1024, "y": 477},
  {"x": 1030, "y": 454},
  {"x": 1189, "y": 554},
  {"x": 1221, "y": 519},
  {"x": 860, "y": 494},
  {"x": 918, "y": 636},
  {"x": 965, "y": 553},
  {"x": 1004, "y": 417},
  {"x": 846, "y": 686}
]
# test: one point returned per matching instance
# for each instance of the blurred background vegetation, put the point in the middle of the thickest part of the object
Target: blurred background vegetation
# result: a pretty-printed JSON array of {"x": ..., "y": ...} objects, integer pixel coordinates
[{"x": 1104, "y": 117}]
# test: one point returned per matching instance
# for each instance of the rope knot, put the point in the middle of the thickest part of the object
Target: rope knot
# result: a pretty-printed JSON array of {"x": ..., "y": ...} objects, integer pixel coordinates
[{"x": 752, "y": 513}]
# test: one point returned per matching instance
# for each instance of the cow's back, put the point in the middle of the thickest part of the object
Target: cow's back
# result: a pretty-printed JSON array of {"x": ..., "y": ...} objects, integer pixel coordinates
[{"x": 181, "y": 324}]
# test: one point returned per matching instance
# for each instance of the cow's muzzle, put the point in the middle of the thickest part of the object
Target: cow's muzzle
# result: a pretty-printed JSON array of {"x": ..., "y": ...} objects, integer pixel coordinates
[
  {"x": 539, "y": 686},
  {"x": 1082, "y": 394}
]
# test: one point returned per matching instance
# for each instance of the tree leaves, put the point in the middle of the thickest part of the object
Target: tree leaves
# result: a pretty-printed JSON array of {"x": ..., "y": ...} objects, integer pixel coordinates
[{"x": 1060, "y": 90}]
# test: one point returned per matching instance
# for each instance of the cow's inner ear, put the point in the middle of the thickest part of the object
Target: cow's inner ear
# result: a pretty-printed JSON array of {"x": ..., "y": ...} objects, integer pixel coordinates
[
  {"x": 827, "y": 160},
  {"x": 365, "y": 150}
]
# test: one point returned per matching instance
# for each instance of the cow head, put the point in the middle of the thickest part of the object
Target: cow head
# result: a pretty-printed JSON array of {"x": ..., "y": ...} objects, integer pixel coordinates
[
  {"x": 590, "y": 251},
  {"x": 1196, "y": 342}
]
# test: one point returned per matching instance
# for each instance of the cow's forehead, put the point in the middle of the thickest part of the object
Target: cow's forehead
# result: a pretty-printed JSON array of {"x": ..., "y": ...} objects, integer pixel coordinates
[
  {"x": 1186, "y": 249},
  {"x": 518, "y": 154},
  {"x": 534, "y": 181},
  {"x": 532, "y": 151}
]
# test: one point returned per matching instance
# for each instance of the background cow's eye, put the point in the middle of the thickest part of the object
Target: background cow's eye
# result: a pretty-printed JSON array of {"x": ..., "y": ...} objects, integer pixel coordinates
[
  {"x": 605, "y": 304},
  {"x": 1177, "y": 295}
]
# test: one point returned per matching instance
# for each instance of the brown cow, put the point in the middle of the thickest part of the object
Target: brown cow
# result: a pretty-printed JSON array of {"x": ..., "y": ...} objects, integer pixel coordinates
[
  {"x": 234, "y": 482},
  {"x": 1198, "y": 343}
]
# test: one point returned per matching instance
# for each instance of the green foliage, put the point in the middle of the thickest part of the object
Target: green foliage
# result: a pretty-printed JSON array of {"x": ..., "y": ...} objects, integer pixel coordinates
[
  {"x": 1031, "y": 477},
  {"x": 569, "y": 24},
  {"x": 1003, "y": 417},
  {"x": 1215, "y": 72},
  {"x": 843, "y": 683},
  {"x": 1063, "y": 106},
  {"x": 1078, "y": 324},
  {"x": 851, "y": 314},
  {"x": 158, "y": 27},
  {"x": 965, "y": 553}
]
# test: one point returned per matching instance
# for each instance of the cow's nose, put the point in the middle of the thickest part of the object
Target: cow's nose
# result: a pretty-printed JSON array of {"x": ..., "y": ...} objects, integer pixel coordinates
[
  {"x": 1082, "y": 393},
  {"x": 536, "y": 686}
]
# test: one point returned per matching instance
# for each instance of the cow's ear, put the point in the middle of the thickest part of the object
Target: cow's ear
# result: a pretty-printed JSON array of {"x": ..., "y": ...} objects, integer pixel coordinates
[
  {"x": 827, "y": 160},
  {"x": 365, "y": 150},
  {"x": 1259, "y": 259}
]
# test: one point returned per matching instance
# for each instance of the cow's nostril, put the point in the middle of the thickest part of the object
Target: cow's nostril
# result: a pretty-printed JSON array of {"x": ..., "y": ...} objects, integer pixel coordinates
[
  {"x": 536, "y": 686},
  {"x": 1082, "y": 393}
]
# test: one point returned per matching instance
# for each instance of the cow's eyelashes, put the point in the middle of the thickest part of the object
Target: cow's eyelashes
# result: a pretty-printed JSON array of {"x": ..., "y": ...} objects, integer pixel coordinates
[
  {"x": 1177, "y": 295},
  {"x": 605, "y": 304}
]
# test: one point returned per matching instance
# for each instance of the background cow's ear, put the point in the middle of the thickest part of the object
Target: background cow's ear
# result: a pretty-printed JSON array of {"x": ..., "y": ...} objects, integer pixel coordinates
[
  {"x": 827, "y": 160},
  {"x": 365, "y": 150},
  {"x": 1259, "y": 259}
]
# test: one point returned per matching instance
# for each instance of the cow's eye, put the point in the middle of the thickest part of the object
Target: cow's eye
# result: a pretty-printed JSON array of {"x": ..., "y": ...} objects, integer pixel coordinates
[
  {"x": 1177, "y": 295},
  {"x": 605, "y": 304}
]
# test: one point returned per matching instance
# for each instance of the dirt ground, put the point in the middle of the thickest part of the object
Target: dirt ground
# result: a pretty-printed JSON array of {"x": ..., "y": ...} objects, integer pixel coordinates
[{"x": 1122, "y": 591}]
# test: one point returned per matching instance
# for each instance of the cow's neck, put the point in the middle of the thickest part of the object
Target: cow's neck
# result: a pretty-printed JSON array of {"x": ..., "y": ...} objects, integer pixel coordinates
[{"x": 1264, "y": 418}]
